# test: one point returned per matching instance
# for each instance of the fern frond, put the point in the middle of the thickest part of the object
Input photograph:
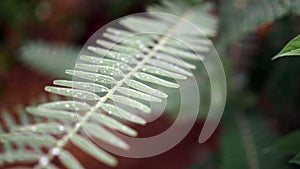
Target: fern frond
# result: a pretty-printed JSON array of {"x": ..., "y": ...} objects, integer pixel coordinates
[
  {"x": 104, "y": 74},
  {"x": 15, "y": 150},
  {"x": 45, "y": 56}
]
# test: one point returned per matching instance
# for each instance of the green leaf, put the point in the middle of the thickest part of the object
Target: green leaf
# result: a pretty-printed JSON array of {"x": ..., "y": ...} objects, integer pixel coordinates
[
  {"x": 91, "y": 149},
  {"x": 28, "y": 139},
  {"x": 142, "y": 24},
  {"x": 173, "y": 60},
  {"x": 296, "y": 159},
  {"x": 168, "y": 66},
  {"x": 6, "y": 146},
  {"x": 10, "y": 123},
  {"x": 137, "y": 42},
  {"x": 19, "y": 156},
  {"x": 108, "y": 70},
  {"x": 92, "y": 76},
  {"x": 69, "y": 160},
  {"x": 130, "y": 102},
  {"x": 23, "y": 115},
  {"x": 93, "y": 87},
  {"x": 66, "y": 105},
  {"x": 113, "y": 124},
  {"x": 51, "y": 58},
  {"x": 105, "y": 62},
  {"x": 113, "y": 55},
  {"x": 116, "y": 47},
  {"x": 118, "y": 112},
  {"x": 75, "y": 93},
  {"x": 54, "y": 128},
  {"x": 180, "y": 53},
  {"x": 57, "y": 114},
  {"x": 152, "y": 79},
  {"x": 102, "y": 134},
  {"x": 137, "y": 94},
  {"x": 144, "y": 88},
  {"x": 289, "y": 143},
  {"x": 162, "y": 72},
  {"x": 291, "y": 49},
  {"x": 8, "y": 119}
]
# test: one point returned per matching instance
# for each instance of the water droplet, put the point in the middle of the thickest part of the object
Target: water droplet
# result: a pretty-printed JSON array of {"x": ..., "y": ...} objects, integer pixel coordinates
[
  {"x": 55, "y": 151},
  {"x": 61, "y": 128},
  {"x": 77, "y": 125},
  {"x": 33, "y": 128},
  {"x": 43, "y": 161}
]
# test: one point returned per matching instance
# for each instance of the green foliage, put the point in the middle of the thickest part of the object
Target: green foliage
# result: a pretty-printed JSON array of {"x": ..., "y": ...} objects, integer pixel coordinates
[
  {"x": 291, "y": 49},
  {"x": 251, "y": 15},
  {"x": 50, "y": 58},
  {"x": 243, "y": 142},
  {"x": 142, "y": 63},
  {"x": 14, "y": 150},
  {"x": 289, "y": 144}
]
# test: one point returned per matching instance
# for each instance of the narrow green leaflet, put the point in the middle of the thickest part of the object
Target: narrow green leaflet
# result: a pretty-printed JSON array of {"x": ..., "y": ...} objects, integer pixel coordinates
[
  {"x": 90, "y": 148},
  {"x": 69, "y": 160},
  {"x": 138, "y": 42},
  {"x": 113, "y": 124},
  {"x": 93, "y": 87},
  {"x": 144, "y": 88},
  {"x": 137, "y": 94},
  {"x": 296, "y": 159},
  {"x": 6, "y": 146},
  {"x": 20, "y": 156},
  {"x": 57, "y": 114},
  {"x": 162, "y": 72},
  {"x": 130, "y": 102},
  {"x": 291, "y": 49},
  {"x": 203, "y": 46},
  {"x": 119, "y": 32},
  {"x": 180, "y": 53},
  {"x": 105, "y": 62},
  {"x": 107, "y": 70},
  {"x": 113, "y": 55},
  {"x": 23, "y": 116},
  {"x": 92, "y": 76},
  {"x": 116, "y": 47},
  {"x": 10, "y": 123},
  {"x": 8, "y": 119},
  {"x": 142, "y": 24},
  {"x": 152, "y": 79},
  {"x": 75, "y": 93},
  {"x": 66, "y": 105},
  {"x": 289, "y": 143},
  {"x": 118, "y": 112},
  {"x": 173, "y": 60},
  {"x": 54, "y": 128},
  {"x": 168, "y": 66},
  {"x": 104, "y": 135},
  {"x": 28, "y": 139}
]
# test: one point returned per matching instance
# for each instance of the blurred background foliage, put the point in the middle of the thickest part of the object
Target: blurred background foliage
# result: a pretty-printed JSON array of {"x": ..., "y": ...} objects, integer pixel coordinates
[{"x": 41, "y": 38}]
